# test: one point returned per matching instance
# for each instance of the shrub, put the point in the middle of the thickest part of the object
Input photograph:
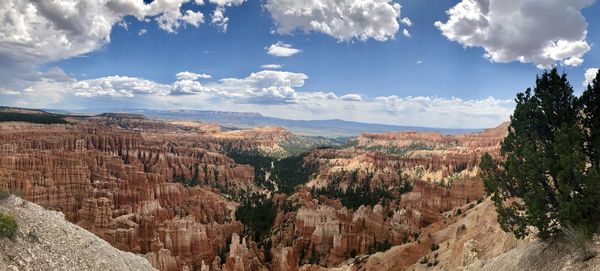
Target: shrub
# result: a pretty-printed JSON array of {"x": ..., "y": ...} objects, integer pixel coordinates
[
  {"x": 435, "y": 247},
  {"x": 405, "y": 238},
  {"x": 8, "y": 226},
  {"x": 379, "y": 246},
  {"x": 580, "y": 237},
  {"x": 4, "y": 194}
]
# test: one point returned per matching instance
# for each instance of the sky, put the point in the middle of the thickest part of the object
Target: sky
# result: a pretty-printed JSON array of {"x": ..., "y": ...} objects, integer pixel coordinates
[{"x": 436, "y": 63}]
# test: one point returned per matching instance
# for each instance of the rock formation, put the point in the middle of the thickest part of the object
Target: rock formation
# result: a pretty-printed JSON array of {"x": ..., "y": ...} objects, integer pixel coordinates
[
  {"x": 170, "y": 190},
  {"x": 121, "y": 185}
]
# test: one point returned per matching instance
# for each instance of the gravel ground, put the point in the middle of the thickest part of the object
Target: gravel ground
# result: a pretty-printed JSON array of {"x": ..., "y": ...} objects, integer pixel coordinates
[{"x": 46, "y": 241}]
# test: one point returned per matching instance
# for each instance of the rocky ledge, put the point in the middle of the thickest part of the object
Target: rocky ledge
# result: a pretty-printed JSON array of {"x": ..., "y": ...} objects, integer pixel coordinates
[{"x": 46, "y": 241}]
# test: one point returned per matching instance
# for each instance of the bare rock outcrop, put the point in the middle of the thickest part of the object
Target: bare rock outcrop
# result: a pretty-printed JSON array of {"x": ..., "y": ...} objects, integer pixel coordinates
[
  {"x": 46, "y": 241},
  {"x": 538, "y": 256}
]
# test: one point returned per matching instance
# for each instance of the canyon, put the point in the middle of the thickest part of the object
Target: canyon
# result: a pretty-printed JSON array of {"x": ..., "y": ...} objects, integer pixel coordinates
[{"x": 170, "y": 190}]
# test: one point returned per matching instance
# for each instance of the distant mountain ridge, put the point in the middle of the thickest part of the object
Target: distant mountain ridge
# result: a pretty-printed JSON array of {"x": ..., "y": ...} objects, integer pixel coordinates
[{"x": 327, "y": 128}]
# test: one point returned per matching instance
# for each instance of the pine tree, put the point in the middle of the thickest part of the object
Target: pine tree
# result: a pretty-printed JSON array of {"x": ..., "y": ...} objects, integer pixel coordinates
[
  {"x": 545, "y": 180},
  {"x": 590, "y": 105}
]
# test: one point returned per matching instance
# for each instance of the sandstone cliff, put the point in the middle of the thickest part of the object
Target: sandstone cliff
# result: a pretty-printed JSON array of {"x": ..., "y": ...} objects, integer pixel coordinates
[
  {"x": 122, "y": 185},
  {"x": 169, "y": 191}
]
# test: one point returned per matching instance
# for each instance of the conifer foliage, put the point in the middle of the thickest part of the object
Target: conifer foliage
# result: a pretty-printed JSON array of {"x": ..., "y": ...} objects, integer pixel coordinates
[{"x": 548, "y": 175}]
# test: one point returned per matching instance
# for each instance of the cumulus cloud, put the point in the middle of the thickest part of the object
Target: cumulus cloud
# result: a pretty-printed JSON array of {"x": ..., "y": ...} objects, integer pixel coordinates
[
  {"x": 406, "y": 21},
  {"x": 118, "y": 86},
  {"x": 168, "y": 13},
  {"x": 227, "y": 3},
  {"x": 218, "y": 17},
  {"x": 191, "y": 76},
  {"x": 272, "y": 66},
  {"x": 273, "y": 93},
  {"x": 187, "y": 87},
  {"x": 343, "y": 19},
  {"x": 406, "y": 33},
  {"x": 39, "y": 31},
  {"x": 36, "y": 32},
  {"x": 541, "y": 32},
  {"x": 264, "y": 87},
  {"x": 193, "y": 18},
  {"x": 282, "y": 49},
  {"x": 268, "y": 87},
  {"x": 590, "y": 75}
]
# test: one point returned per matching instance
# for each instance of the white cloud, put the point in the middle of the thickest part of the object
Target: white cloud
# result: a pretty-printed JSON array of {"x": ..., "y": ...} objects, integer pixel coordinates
[
  {"x": 219, "y": 19},
  {"x": 142, "y": 32},
  {"x": 282, "y": 49},
  {"x": 193, "y": 18},
  {"x": 272, "y": 66},
  {"x": 168, "y": 12},
  {"x": 590, "y": 75},
  {"x": 265, "y": 87},
  {"x": 191, "y": 76},
  {"x": 227, "y": 3},
  {"x": 124, "y": 25},
  {"x": 351, "y": 97},
  {"x": 41, "y": 31},
  {"x": 33, "y": 33},
  {"x": 118, "y": 86},
  {"x": 5, "y": 91},
  {"x": 419, "y": 62},
  {"x": 439, "y": 112},
  {"x": 187, "y": 87},
  {"x": 406, "y": 21},
  {"x": 541, "y": 32},
  {"x": 406, "y": 33},
  {"x": 343, "y": 19},
  {"x": 273, "y": 93},
  {"x": 573, "y": 61}
]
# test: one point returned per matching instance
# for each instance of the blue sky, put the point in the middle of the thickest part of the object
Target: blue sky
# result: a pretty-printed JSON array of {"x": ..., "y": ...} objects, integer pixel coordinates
[{"x": 365, "y": 70}]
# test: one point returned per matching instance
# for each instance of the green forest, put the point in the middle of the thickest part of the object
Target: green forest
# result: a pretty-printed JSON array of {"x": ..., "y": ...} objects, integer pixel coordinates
[{"x": 41, "y": 118}]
